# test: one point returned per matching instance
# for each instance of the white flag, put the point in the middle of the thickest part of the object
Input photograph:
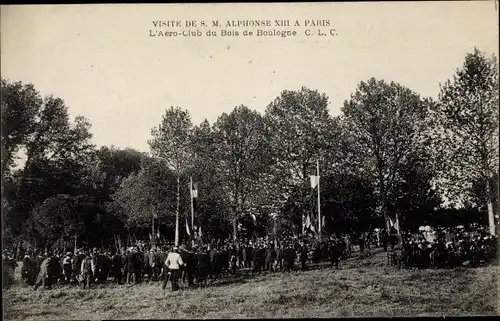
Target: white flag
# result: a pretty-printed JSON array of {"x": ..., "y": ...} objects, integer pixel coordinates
[
  {"x": 187, "y": 228},
  {"x": 314, "y": 181},
  {"x": 194, "y": 190}
]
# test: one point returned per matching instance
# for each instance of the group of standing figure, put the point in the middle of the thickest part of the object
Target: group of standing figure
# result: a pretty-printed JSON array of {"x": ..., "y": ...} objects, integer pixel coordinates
[{"x": 192, "y": 265}]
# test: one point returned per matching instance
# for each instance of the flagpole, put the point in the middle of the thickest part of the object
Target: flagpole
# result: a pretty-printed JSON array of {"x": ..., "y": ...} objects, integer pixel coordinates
[
  {"x": 153, "y": 236},
  {"x": 192, "y": 202},
  {"x": 192, "y": 207},
  {"x": 176, "y": 240},
  {"x": 319, "y": 200}
]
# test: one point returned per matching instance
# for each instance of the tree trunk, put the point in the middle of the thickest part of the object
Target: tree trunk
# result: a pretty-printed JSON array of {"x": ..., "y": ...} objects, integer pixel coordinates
[
  {"x": 304, "y": 196},
  {"x": 274, "y": 232},
  {"x": 235, "y": 228},
  {"x": 489, "y": 203},
  {"x": 177, "y": 210},
  {"x": 383, "y": 199},
  {"x": 153, "y": 230},
  {"x": 491, "y": 217}
]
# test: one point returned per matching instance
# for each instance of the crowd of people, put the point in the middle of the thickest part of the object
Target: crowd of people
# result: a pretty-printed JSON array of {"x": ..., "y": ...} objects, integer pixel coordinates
[
  {"x": 193, "y": 264},
  {"x": 197, "y": 264},
  {"x": 446, "y": 248}
]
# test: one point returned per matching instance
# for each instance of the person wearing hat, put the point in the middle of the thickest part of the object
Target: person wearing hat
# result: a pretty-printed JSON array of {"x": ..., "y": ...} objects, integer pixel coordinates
[
  {"x": 116, "y": 267},
  {"x": 76, "y": 265},
  {"x": 160, "y": 257},
  {"x": 303, "y": 257},
  {"x": 289, "y": 257},
  {"x": 45, "y": 274},
  {"x": 130, "y": 264},
  {"x": 87, "y": 270},
  {"x": 105, "y": 265},
  {"x": 148, "y": 266},
  {"x": 249, "y": 254},
  {"x": 189, "y": 265},
  {"x": 173, "y": 263},
  {"x": 9, "y": 266},
  {"x": 67, "y": 267},
  {"x": 256, "y": 261},
  {"x": 28, "y": 270},
  {"x": 150, "y": 262}
]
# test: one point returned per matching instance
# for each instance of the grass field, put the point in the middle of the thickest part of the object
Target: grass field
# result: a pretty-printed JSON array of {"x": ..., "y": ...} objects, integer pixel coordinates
[{"x": 362, "y": 287}]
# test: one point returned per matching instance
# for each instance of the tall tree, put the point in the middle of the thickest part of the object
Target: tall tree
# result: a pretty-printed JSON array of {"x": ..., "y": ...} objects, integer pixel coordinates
[
  {"x": 172, "y": 143},
  {"x": 57, "y": 151},
  {"x": 301, "y": 132},
  {"x": 242, "y": 151},
  {"x": 388, "y": 123},
  {"x": 212, "y": 212},
  {"x": 468, "y": 115},
  {"x": 20, "y": 104}
]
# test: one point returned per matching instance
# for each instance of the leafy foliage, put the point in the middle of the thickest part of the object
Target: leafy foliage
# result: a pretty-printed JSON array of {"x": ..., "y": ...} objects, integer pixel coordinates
[
  {"x": 390, "y": 153},
  {"x": 467, "y": 113},
  {"x": 242, "y": 157},
  {"x": 387, "y": 121}
]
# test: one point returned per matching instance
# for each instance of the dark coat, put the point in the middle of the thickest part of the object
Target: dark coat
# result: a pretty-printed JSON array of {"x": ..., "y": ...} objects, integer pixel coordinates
[
  {"x": 336, "y": 251},
  {"x": 203, "y": 266},
  {"x": 250, "y": 253},
  {"x": 270, "y": 254},
  {"x": 28, "y": 269},
  {"x": 116, "y": 264},
  {"x": 87, "y": 267},
  {"x": 188, "y": 259},
  {"x": 244, "y": 253},
  {"x": 129, "y": 263},
  {"x": 289, "y": 256},
  {"x": 303, "y": 254}
]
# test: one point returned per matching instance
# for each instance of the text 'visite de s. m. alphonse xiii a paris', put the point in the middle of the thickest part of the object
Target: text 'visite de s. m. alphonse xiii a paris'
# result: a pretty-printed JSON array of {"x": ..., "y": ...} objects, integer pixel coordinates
[{"x": 247, "y": 28}]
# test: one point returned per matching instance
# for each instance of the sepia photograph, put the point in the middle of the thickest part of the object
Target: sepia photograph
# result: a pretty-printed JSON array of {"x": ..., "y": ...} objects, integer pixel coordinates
[{"x": 250, "y": 160}]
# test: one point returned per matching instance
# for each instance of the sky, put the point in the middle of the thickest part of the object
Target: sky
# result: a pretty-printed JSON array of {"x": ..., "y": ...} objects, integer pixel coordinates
[{"x": 101, "y": 60}]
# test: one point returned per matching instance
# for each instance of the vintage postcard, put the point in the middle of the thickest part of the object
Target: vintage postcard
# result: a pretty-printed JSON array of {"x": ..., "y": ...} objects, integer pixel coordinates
[{"x": 267, "y": 160}]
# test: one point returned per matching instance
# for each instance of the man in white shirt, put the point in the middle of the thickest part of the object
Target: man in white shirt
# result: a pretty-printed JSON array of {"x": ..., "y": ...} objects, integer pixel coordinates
[{"x": 173, "y": 263}]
